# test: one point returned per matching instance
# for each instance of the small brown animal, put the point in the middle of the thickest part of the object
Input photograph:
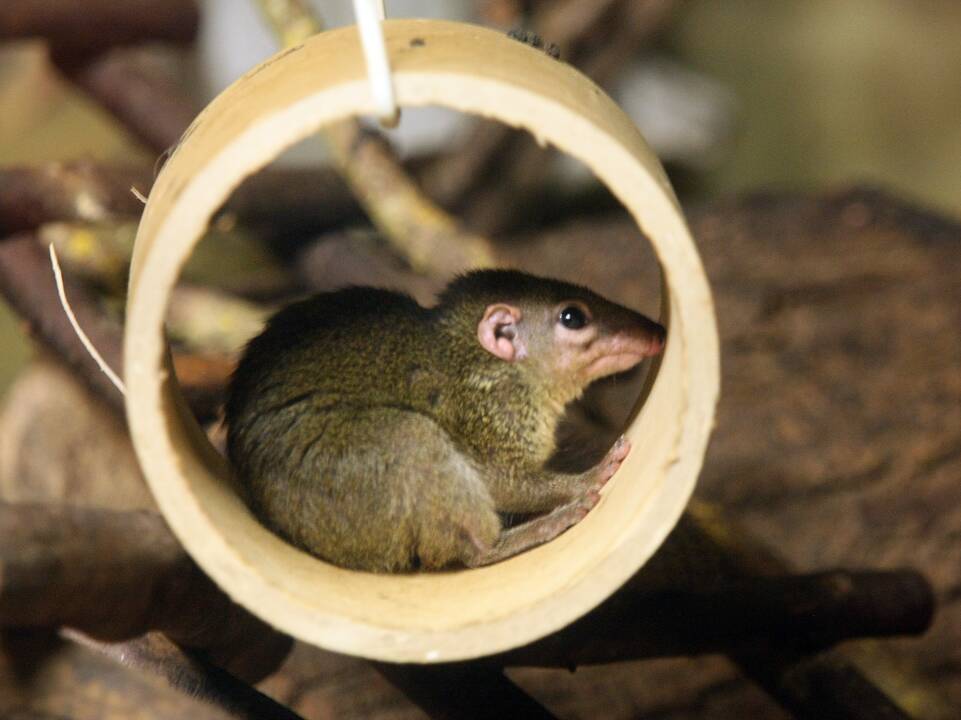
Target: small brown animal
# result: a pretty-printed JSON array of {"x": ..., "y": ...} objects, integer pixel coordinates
[{"x": 384, "y": 436}]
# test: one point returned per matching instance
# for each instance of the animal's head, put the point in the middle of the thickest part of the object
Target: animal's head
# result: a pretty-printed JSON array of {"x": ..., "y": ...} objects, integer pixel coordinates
[{"x": 562, "y": 332}]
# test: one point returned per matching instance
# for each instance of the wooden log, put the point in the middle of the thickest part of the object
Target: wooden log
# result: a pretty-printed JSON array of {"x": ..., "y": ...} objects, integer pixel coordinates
[
  {"x": 154, "y": 110},
  {"x": 287, "y": 204},
  {"x": 432, "y": 241},
  {"x": 809, "y": 611},
  {"x": 809, "y": 685},
  {"x": 823, "y": 686},
  {"x": 116, "y": 575},
  {"x": 41, "y": 670},
  {"x": 194, "y": 675},
  {"x": 737, "y": 245},
  {"x": 87, "y": 461},
  {"x": 27, "y": 282},
  {"x": 77, "y": 30},
  {"x": 81, "y": 191},
  {"x": 463, "y": 692}
]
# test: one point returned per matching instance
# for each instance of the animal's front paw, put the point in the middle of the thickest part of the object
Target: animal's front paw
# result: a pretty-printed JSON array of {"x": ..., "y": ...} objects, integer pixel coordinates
[{"x": 612, "y": 461}]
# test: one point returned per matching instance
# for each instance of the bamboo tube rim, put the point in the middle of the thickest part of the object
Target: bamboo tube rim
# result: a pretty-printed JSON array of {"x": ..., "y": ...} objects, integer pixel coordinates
[{"x": 428, "y": 617}]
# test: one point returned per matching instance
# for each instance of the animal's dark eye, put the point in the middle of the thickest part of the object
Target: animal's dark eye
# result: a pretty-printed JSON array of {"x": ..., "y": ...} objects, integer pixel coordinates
[{"x": 572, "y": 317}]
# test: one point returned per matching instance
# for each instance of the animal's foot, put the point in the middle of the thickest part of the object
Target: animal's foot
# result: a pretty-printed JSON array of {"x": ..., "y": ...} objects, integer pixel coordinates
[
  {"x": 554, "y": 523},
  {"x": 612, "y": 461},
  {"x": 535, "y": 532}
]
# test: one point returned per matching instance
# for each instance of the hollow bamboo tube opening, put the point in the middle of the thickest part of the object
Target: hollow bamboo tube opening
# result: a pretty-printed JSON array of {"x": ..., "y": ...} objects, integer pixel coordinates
[{"x": 427, "y": 617}]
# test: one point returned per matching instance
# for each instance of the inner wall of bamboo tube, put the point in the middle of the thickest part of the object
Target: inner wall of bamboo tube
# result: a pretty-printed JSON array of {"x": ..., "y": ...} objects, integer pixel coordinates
[{"x": 427, "y": 617}]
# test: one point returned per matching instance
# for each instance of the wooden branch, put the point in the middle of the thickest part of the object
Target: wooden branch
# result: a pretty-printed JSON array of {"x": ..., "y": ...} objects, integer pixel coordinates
[
  {"x": 816, "y": 686},
  {"x": 116, "y": 575},
  {"x": 294, "y": 203},
  {"x": 639, "y": 22},
  {"x": 802, "y": 611},
  {"x": 430, "y": 239},
  {"x": 457, "y": 175},
  {"x": 568, "y": 22},
  {"x": 493, "y": 174},
  {"x": 462, "y": 692},
  {"x": 83, "y": 29},
  {"x": 454, "y": 175},
  {"x": 214, "y": 323},
  {"x": 148, "y": 105},
  {"x": 291, "y": 203},
  {"x": 826, "y": 685},
  {"x": 76, "y": 191},
  {"x": 192, "y": 674},
  {"x": 95, "y": 253},
  {"x": 26, "y": 281},
  {"x": 292, "y": 21}
]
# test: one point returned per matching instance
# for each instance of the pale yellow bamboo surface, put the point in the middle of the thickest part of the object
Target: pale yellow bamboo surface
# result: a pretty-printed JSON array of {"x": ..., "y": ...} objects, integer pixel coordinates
[{"x": 440, "y": 616}]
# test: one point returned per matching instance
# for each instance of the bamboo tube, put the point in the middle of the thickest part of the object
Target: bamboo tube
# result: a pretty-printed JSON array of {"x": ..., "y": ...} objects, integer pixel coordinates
[{"x": 427, "y": 617}]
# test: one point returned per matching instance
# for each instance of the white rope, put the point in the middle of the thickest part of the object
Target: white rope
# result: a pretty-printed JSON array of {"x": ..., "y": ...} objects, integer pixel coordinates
[
  {"x": 369, "y": 14},
  {"x": 88, "y": 345}
]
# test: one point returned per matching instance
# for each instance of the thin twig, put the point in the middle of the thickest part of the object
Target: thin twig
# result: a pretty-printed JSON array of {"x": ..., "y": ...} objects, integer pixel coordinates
[
  {"x": 87, "y": 344},
  {"x": 30, "y": 288}
]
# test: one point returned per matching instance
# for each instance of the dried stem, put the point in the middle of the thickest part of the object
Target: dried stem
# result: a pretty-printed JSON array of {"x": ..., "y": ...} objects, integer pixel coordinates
[
  {"x": 28, "y": 285},
  {"x": 78, "y": 329}
]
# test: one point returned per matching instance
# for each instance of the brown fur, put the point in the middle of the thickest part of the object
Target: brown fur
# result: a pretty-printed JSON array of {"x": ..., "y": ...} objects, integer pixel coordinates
[{"x": 382, "y": 436}]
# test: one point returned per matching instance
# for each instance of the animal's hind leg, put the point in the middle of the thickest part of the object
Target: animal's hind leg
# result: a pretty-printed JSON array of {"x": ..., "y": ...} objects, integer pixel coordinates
[
  {"x": 535, "y": 532},
  {"x": 457, "y": 519},
  {"x": 414, "y": 502}
]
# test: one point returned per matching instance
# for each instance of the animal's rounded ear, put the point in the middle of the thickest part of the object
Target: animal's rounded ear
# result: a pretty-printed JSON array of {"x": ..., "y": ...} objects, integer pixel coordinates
[{"x": 497, "y": 332}]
